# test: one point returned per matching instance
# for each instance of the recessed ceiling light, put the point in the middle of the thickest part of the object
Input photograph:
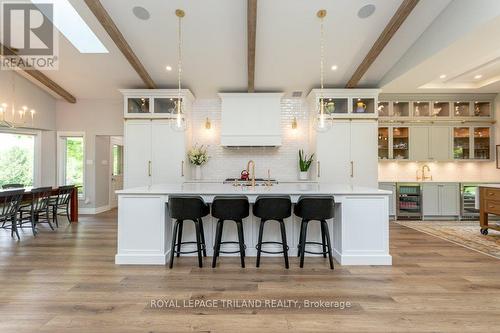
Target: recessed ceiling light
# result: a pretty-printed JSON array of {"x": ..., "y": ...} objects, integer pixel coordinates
[
  {"x": 334, "y": 67},
  {"x": 442, "y": 76},
  {"x": 366, "y": 11},
  {"x": 141, "y": 13},
  {"x": 168, "y": 68},
  {"x": 477, "y": 77}
]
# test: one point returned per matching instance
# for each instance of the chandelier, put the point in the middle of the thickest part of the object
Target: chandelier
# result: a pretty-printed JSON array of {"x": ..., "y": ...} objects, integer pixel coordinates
[
  {"x": 179, "y": 123},
  {"x": 10, "y": 116},
  {"x": 321, "y": 117}
]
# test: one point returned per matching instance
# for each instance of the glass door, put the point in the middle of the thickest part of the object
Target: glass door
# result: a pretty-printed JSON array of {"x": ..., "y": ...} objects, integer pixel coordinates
[
  {"x": 461, "y": 109},
  {"x": 401, "y": 109},
  {"x": 421, "y": 109},
  {"x": 383, "y": 109},
  {"x": 334, "y": 106},
  {"x": 482, "y": 143},
  {"x": 461, "y": 143},
  {"x": 482, "y": 109},
  {"x": 441, "y": 109},
  {"x": 400, "y": 143},
  {"x": 383, "y": 143}
]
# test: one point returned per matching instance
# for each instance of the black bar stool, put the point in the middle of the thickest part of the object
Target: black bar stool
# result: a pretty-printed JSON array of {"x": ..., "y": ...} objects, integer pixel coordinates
[
  {"x": 315, "y": 208},
  {"x": 191, "y": 208},
  {"x": 233, "y": 209},
  {"x": 272, "y": 208}
]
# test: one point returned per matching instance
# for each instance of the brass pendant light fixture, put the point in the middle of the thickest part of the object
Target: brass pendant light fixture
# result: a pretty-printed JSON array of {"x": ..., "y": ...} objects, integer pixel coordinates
[
  {"x": 321, "y": 121},
  {"x": 180, "y": 121}
]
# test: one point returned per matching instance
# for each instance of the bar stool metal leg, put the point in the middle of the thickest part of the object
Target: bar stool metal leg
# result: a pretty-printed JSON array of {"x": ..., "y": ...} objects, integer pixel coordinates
[
  {"x": 179, "y": 237},
  {"x": 202, "y": 234},
  {"x": 259, "y": 244},
  {"x": 323, "y": 239},
  {"x": 198, "y": 243},
  {"x": 283, "y": 241},
  {"x": 323, "y": 222},
  {"x": 299, "y": 247},
  {"x": 218, "y": 237},
  {"x": 303, "y": 241},
  {"x": 172, "y": 249},
  {"x": 239, "y": 225}
]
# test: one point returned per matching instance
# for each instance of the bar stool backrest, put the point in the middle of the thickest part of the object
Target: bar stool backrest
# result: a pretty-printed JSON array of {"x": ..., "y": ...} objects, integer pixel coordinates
[
  {"x": 9, "y": 202},
  {"x": 9, "y": 186},
  {"x": 40, "y": 198},
  {"x": 185, "y": 207},
  {"x": 272, "y": 207},
  {"x": 230, "y": 207},
  {"x": 64, "y": 194},
  {"x": 315, "y": 207}
]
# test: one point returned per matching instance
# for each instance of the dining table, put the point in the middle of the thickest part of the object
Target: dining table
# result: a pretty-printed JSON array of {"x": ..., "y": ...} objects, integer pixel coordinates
[{"x": 73, "y": 203}]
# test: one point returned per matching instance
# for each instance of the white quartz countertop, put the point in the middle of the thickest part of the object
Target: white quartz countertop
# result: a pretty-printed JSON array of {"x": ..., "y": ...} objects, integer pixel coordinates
[{"x": 278, "y": 189}]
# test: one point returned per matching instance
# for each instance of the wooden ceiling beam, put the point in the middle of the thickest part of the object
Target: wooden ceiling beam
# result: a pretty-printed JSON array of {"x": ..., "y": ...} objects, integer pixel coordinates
[
  {"x": 390, "y": 30},
  {"x": 107, "y": 23},
  {"x": 251, "y": 39},
  {"x": 39, "y": 76}
]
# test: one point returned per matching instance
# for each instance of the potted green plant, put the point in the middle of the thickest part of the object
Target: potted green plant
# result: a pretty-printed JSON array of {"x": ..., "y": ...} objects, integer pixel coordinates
[
  {"x": 197, "y": 157},
  {"x": 304, "y": 164}
]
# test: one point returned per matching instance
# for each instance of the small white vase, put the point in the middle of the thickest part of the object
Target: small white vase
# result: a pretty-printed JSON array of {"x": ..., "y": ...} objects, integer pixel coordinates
[
  {"x": 304, "y": 175},
  {"x": 197, "y": 172}
]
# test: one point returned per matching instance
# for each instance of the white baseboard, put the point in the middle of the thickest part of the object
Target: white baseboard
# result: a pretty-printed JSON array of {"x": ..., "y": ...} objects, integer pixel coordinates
[{"x": 93, "y": 211}]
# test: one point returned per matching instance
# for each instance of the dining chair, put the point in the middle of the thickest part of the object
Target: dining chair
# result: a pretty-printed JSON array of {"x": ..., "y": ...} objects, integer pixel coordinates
[
  {"x": 9, "y": 205},
  {"x": 37, "y": 209},
  {"x": 59, "y": 204}
]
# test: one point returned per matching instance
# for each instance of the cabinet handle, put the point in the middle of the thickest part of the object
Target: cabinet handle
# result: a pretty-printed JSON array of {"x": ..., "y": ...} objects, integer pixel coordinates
[
  {"x": 352, "y": 169},
  {"x": 319, "y": 170},
  {"x": 149, "y": 168},
  {"x": 182, "y": 168}
]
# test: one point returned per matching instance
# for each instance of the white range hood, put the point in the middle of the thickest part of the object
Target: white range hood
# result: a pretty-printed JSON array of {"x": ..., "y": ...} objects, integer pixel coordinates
[{"x": 251, "y": 119}]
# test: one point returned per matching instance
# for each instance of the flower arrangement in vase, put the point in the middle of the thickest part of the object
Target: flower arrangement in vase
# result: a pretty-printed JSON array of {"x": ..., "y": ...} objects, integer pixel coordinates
[
  {"x": 304, "y": 164},
  {"x": 198, "y": 156}
]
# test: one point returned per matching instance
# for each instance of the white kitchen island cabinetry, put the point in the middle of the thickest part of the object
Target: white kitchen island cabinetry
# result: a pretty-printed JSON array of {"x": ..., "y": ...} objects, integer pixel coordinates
[{"x": 359, "y": 231}]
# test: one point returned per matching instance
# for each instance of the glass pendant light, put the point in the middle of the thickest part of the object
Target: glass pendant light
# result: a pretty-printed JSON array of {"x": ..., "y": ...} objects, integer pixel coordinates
[
  {"x": 179, "y": 123},
  {"x": 321, "y": 122}
]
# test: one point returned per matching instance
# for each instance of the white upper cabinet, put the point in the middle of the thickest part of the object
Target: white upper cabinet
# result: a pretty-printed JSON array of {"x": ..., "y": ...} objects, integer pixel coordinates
[
  {"x": 155, "y": 103},
  {"x": 345, "y": 103}
]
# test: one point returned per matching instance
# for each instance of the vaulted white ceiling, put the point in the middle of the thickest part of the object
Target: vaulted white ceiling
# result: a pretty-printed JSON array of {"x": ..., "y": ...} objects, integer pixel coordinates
[{"x": 215, "y": 45}]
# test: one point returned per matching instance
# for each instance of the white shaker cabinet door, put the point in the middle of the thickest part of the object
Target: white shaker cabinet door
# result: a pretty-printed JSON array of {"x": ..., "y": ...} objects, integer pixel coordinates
[
  {"x": 449, "y": 199},
  {"x": 137, "y": 141},
  {"x": 440, "y": 143},
  {"x": 168, "y": 153},
  {"x": 364, "y": 153},
  {"x": 430, "y": 199},
  {"x": 333, "y": 154},
  {"x": 419, "y": 143}
]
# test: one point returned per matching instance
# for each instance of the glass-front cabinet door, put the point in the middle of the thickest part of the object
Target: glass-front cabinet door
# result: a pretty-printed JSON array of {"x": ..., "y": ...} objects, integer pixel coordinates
[
  {"x": 461, "y": 109},
  {"x": 333, "y": 106},
  {"x": 400, "y": 143},
  {"x": 138, "y": 105},
  {"x": 165, "y": 106},
  {"x": 482, "y": 139},
  {"x": 421, "y": 109},
  {"x": 383, "y": 143},
  {"x": 440, "y": 109},
  {"x": 461, "y": 143},
  {"x": 401, "y": 109},
  {"x": 482, "y": 109},
  {"x": 383, "y": 109},
  {"x": 363, "y": 105}
]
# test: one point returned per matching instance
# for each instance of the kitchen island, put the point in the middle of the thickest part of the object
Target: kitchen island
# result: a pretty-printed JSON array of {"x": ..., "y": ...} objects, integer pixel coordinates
[{"x": 359, "y": 231}]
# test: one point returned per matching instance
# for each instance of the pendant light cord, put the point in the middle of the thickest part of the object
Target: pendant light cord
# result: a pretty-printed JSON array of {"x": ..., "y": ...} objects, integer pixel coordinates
[
  {"x": 322, "y": 54},
  {"x": 179, "y": 50}
]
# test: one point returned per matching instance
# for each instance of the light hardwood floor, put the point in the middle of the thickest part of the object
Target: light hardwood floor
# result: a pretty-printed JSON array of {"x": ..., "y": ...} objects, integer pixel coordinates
[{"x": 66, "y": 281}]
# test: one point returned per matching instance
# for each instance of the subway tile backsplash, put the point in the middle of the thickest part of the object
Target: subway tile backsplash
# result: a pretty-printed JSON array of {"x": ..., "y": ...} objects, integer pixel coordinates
[{"x": 228, "y": 162}]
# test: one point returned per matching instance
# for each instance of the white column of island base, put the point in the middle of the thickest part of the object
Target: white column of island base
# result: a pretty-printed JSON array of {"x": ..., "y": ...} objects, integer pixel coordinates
[{"x": 359, "y": 231}]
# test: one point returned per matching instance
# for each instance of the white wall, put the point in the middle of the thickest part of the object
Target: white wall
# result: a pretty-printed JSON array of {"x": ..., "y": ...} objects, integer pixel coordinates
[
  {"x": 96, "y": 118},
  {"x": 102, "y": 172},
  {"x": 228, "y": 162}
]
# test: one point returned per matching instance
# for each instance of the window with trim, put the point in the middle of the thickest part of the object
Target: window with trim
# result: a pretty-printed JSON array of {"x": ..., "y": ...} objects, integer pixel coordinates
[
  {"x": 72, "y": 161},
  {"x": 17, "y": 158}
]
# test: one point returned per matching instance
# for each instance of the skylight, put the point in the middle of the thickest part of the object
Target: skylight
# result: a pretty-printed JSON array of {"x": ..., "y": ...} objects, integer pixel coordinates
[{"x": 73, "y": 27}]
